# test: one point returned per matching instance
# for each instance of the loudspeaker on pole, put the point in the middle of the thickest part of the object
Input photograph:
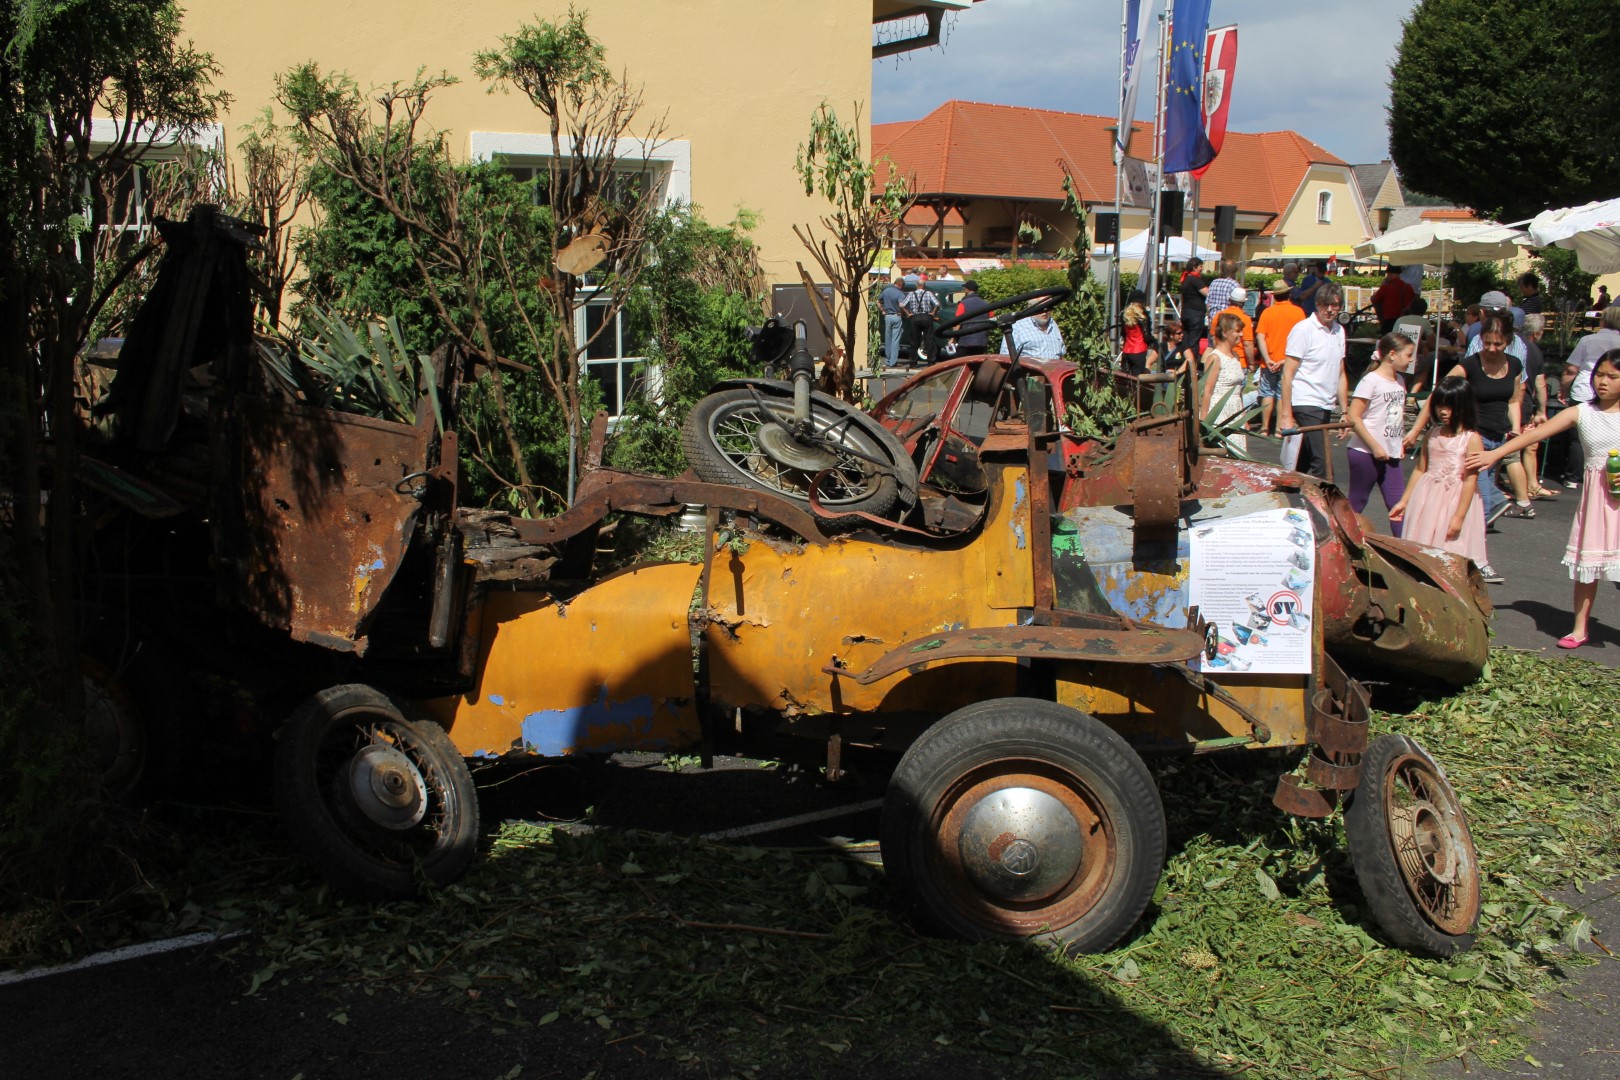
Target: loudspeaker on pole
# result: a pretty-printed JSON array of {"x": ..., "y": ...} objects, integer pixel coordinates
[
  {"x": 1225, "y": 224},
  {"x": 1107, "y": 227},
  {"x": 1172, "y": 204}
]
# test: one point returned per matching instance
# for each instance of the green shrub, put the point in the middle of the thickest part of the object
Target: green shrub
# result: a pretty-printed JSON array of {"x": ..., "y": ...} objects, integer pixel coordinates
[{"x": 691, "y": 313}]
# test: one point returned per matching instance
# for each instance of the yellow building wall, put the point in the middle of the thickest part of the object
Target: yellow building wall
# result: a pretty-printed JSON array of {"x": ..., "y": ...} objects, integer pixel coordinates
[
  {"x": 1305, "y": 236},
  {"x": 736, "y": 80}
]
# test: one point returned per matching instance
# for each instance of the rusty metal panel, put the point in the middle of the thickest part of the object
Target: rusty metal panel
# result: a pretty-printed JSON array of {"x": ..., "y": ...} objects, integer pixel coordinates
[
  {"x": 326, "y": 521},
  {"x": 1155, "y": 709},
  {"x": 607, "y": 669},
  {"x": 1146, "y": 645},
  {"x": 866, "y": 598},
  {"x": 1008, "y": 542}
]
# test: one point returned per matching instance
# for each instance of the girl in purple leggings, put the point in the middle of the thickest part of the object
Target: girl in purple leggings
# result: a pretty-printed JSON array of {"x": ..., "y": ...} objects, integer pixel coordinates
[{"x": 1377, "y": 418}]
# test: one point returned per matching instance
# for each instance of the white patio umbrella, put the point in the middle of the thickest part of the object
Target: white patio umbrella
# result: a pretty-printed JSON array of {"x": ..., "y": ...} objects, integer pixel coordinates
[
  {"x": 1591, "y": 231},
  {"x": 1441, "y": 242}
]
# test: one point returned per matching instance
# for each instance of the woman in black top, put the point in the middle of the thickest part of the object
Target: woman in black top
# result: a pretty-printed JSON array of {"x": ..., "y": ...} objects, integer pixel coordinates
[{"x": 1194, "y": 302}]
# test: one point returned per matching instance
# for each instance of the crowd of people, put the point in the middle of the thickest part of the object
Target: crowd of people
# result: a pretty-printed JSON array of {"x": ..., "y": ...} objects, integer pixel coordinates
[
  {"x": 1277, "y": 363},
  {"x": 1477, "y": 438}
]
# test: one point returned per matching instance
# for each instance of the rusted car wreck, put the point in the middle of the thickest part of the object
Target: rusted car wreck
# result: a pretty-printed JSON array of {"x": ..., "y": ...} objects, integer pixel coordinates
[{"x": 1034, "y": 615}]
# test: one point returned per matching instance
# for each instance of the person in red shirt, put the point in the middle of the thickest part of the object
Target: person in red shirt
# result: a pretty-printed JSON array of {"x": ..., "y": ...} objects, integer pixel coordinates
[
  {"x": 1135, "y": 342},
  {"x": 1391, "y": 299}
]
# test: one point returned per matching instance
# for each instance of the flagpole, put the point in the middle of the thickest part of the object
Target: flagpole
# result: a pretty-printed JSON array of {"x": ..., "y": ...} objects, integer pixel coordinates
[
  {"x": 1197, "y": 193},
  {"x": 1150, "y": 257},
  {"x": 1122, "y": 137}
]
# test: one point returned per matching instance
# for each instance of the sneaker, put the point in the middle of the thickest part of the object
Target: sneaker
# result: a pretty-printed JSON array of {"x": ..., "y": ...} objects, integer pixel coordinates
[
  {"x": 1519, "y": 510},
  {"x": 1490, "y": 518},
  {"x": 1489, "y": 576},
  {"x": 1571, "y": 484}
]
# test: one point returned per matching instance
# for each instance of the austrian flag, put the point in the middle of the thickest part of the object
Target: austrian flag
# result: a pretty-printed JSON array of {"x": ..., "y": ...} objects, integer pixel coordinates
[{"x": 1220, "y": 61}]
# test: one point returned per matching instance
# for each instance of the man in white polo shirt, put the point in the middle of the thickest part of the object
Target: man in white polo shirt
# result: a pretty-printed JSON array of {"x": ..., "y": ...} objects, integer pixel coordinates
[{"x": 1313, "y": 381}]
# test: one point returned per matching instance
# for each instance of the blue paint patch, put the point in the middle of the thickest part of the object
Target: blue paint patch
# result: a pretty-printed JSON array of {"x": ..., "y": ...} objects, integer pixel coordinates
[
  {"x": 496, "y": 699},
  {"x": 554, "y": 732},
  {"x": 378, "y": 565}
]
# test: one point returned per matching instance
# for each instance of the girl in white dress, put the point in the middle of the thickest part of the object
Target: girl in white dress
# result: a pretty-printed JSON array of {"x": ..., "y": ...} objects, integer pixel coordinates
[{"x": 1593, "y": 551}]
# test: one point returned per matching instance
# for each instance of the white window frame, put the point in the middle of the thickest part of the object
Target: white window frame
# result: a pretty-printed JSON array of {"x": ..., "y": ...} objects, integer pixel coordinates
[
  {"x": 147, "y": 146},
  {"x": 626, "y": 365},
  {"x": 1324, "y": 207},
  {"x": 672, "y": 158}
]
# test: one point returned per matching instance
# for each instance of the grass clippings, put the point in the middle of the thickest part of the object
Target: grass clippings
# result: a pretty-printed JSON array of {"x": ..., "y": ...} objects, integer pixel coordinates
[{"x": 1254, "y": 959}]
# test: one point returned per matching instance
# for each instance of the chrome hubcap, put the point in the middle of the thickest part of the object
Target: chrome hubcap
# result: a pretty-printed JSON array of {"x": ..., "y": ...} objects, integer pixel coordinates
[{"x": 1020, "y": 844}]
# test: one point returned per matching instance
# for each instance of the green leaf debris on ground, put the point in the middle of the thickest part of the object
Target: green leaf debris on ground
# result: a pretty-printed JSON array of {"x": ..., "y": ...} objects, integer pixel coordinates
[{"x": 1254, "y": 957}]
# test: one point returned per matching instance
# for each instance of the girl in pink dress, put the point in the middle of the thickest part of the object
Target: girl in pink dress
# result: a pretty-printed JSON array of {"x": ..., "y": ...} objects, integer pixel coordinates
[
  {"x": 1441, "y": 507},
  {"x": 1593, "y": 550}
]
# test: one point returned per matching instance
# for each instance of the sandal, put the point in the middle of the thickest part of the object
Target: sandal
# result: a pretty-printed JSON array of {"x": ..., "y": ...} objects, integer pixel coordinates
[
  {"x": 1570, "y": 641},
  {"x": 1544, "y": 493},
  {"x": 1516, "y": 511}
]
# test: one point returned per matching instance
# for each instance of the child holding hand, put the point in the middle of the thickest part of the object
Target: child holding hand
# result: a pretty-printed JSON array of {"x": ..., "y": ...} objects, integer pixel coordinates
[
  {"x": 1593, "y": 550},
  {"x": 1442, "y": 507}
]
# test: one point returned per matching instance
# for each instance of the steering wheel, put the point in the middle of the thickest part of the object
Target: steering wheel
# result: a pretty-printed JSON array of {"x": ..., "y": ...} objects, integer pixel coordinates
[{"x": 1039, "y": 301}]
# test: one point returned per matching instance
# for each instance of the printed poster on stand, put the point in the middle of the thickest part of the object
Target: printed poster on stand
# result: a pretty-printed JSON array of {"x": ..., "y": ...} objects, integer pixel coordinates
[{"x": 1253, "y": 578}]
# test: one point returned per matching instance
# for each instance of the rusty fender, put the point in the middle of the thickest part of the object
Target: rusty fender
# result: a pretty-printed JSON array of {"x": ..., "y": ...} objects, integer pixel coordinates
[{"x": 1142, "y": 645}]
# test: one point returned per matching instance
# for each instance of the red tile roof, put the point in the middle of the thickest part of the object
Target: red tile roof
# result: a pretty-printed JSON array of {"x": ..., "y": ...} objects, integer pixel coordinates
[
  {"x": 975, "y": 150},
  {"x": 1448, "y": 213}
]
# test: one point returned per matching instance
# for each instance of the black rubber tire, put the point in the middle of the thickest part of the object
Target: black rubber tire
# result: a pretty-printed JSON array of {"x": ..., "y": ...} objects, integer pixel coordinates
[
  {"x": 358, "y": 856},
  {"x": 1014, "y": 744},
  {"x": 1388, "y": 769},
  {"x": 722, "y": 446}
]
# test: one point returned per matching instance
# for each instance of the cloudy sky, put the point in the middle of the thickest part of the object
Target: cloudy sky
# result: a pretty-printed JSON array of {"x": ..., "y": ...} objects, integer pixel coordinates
[{"x": 1321, "y": 69}]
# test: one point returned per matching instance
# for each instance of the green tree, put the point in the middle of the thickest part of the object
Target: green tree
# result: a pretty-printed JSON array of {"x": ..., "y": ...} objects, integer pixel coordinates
[
  {"x": 692, "y": 315},
  {"x": 600, "y": 203},
  {"x": 1506, "y": 107},
  {"x": 86, "y": 87},
  {"x": 863, "y": 216}
]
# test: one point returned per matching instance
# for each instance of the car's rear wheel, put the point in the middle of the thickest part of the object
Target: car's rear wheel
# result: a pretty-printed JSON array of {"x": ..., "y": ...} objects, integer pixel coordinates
[{"x": 1019, "y": 818}]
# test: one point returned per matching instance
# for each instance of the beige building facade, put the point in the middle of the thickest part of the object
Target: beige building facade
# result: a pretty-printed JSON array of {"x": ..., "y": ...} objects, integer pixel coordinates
[{"x": 733, "y": 83}]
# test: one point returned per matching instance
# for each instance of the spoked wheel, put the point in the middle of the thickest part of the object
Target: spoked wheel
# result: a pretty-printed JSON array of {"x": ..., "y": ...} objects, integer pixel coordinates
[
  {"x": 1413, "y": 853},
  {"x": 1019, "y": 817},
  {"x": 372, "y": 797},
  {"x": 731, "y": 439}
]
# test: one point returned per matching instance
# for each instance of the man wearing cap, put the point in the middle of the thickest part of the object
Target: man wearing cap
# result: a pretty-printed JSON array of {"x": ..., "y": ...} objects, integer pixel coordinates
[
  {"x": 1271, "y": 338},
  {"x": 1313, "y": 381},
  {"x": 1235, "y": 300},
  {"x": 1498, "y": 301},
  {"x": 970, "y": 305}
]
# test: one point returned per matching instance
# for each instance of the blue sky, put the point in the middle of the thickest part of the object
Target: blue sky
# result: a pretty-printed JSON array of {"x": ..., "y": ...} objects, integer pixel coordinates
[{"x": 1321, "y": 69}]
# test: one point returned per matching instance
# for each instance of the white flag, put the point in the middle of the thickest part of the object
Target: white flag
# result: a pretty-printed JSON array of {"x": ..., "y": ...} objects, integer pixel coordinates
[{"x": 1137, "y": 15}]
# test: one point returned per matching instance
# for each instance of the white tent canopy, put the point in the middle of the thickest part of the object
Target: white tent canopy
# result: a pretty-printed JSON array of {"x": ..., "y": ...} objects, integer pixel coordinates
[
  {"x": 1179, "y": 248},
  {"x": 1444, "y": 242},
  {"x": 1591, "y": 231}
]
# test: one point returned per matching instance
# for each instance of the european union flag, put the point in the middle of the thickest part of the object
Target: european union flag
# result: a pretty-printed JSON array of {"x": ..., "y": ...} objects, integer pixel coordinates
[{"x": 1186, "y": 146}]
